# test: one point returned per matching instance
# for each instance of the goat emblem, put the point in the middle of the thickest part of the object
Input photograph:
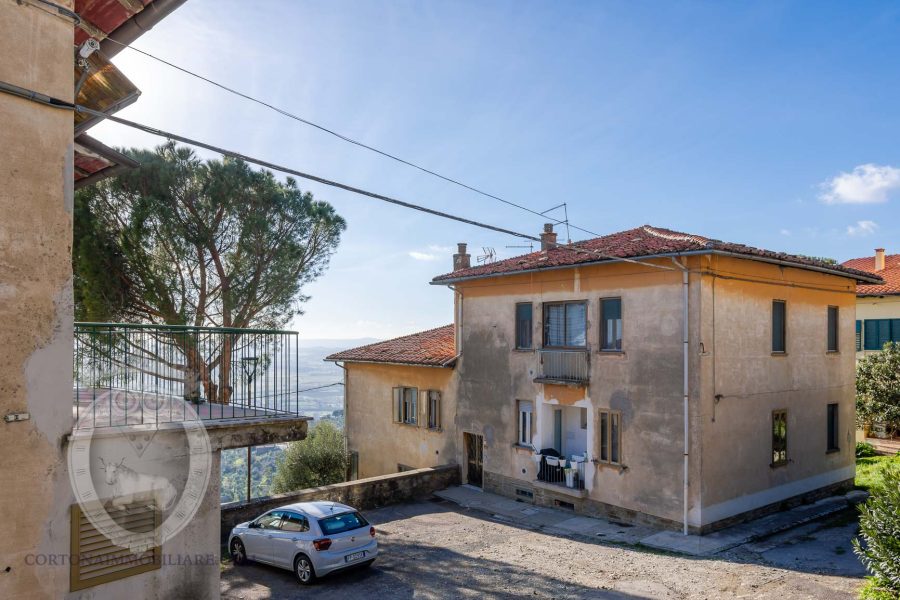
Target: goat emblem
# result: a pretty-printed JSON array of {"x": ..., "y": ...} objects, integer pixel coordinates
[{"x": 129, "y": 485}]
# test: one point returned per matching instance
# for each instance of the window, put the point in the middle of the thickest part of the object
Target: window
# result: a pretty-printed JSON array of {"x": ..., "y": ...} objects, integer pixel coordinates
[
  {"x": 405, "y": 405},
  {"x": 611, "y": 324},
  {"x": 341, "y": 523},
  {"x": 858, "y": 335},
  {"x": 877, "y": 332},
  {"x": 269, "y": 520},
  {"x": 523, "y": 326},
  {"x": 526, "y": 422},
  {"x": 584, "y": 418},
  {"x": 833, "y": 428},
  {"x": 434, "y": 409},
  {"x": 565, "y": 324},
  {"x": 778, "y": 326},
  {"x": 610, "y": 424},
  {"x": 779, "y": 438},
  {"x": 832, "y": 328},
  {"x": 294, "y": 522}
]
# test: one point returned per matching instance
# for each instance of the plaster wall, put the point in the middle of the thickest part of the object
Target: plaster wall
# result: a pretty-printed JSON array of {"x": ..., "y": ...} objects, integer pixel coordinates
[
  {"x": 382, "y": 444},
  {"x": 36, "y": 170},
  {"x": 643, "y": 382},
  {"x": 743, "y": 381}
]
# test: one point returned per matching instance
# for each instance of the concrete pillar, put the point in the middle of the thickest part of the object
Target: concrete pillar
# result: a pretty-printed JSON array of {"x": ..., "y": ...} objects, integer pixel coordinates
[{"x": 36, "y": 171}]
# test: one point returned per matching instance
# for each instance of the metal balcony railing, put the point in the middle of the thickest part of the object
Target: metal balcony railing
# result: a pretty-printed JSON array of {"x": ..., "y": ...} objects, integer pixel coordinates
[
  {"x": 571, "y": 475},
  {"x": 565, "y": 365},
  {"x": 128, "y": 374}
]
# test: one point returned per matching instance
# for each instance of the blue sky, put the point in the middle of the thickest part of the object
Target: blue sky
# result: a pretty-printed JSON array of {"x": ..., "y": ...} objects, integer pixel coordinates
[{"x": 774, "y": 124}]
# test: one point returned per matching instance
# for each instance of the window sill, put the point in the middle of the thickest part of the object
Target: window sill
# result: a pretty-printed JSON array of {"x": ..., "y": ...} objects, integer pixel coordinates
[
  {"x": 832, "y": 451},
  {"x": 832, "y": 352},
  {"x": 780, "y": 464},
  {"x": 406, "y": 424},
  {"x": 619, "y": 353},
  {"x": 524, "y": 350},
  {"x": 779, "y": 353},
  {"x": 435, "y": 429},
  {"x": 523, "y": 448},
  {"x": 607, "y": 465}
]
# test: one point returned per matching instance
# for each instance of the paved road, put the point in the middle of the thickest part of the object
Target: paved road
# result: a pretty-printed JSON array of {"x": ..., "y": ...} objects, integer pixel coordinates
[{"x": 438, "y": 550}]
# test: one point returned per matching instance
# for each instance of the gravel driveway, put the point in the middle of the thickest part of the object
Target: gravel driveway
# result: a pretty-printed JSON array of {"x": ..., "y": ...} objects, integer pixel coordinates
[{"x": 438, "y": 550}]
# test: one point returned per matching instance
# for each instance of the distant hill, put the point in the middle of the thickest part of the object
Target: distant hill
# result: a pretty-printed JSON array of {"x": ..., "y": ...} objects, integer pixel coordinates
[{"x": 336, "y": 345}]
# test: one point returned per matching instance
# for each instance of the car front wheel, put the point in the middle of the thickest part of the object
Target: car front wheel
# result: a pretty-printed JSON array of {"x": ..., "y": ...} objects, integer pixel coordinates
[
  {"x": 238, "y": 554},
  {"x": 304, "y": 570}
]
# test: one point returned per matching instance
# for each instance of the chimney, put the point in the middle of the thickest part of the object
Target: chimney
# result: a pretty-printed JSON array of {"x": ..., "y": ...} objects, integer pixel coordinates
[
  {"x": 461, "y": 260},
  {"x": 879, "y": 259},
  {"x": 548, "y": 238}
]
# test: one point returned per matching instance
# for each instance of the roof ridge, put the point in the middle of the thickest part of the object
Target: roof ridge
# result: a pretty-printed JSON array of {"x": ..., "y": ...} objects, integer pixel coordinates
[{"x": 674, "y": 235}]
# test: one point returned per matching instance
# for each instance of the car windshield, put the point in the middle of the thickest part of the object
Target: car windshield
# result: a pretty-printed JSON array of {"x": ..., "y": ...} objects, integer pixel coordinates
[{"x": 342, "y": 523}]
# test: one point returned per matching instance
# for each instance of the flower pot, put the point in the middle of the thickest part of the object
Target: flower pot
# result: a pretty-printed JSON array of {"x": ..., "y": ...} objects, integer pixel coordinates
[
  {"x": 570, "y": 478},
  {"x": 562, "y": 463},
  {"x": 536, "y": 458},
  {"x": 552, "y": 461}
]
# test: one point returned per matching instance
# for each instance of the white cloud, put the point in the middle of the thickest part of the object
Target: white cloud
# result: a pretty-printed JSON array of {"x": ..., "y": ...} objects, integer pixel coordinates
[
  {"x": 862, "y": 228},
  {"x": 867, "y": 184},
  {"x": 785, "y": 232},
  {"x": 444, "y": 249},
  {"x": 423, "y": 255}
]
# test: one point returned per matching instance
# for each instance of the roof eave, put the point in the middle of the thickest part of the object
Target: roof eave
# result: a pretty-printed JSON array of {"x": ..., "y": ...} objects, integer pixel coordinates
[
  {"x": 857, "y": 278},
  {"x": 446, "y": 365}
]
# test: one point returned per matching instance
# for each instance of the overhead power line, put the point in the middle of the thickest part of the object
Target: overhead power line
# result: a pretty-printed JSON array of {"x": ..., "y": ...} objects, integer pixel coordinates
[
  {"x": 320, "y": 387},
  {"x": 356, "y": 142},
  {"x": 41, "y": 98}
]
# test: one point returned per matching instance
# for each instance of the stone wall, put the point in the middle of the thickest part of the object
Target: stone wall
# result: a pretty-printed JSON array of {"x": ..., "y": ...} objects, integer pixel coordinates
[{"x": 372, "y": 492}]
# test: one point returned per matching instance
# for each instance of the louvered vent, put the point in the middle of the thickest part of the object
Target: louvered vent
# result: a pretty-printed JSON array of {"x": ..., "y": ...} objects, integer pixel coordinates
[{"x": 97, "y": 559}]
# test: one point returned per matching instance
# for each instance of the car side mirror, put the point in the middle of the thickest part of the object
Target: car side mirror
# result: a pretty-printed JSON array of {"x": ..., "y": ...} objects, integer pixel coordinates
[{"x": 253, "y": 525}]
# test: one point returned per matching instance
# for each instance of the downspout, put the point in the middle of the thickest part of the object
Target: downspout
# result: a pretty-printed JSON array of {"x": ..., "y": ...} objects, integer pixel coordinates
[
  {"x": 346, "y": 437},
  {"x": 685, "y": 374}
]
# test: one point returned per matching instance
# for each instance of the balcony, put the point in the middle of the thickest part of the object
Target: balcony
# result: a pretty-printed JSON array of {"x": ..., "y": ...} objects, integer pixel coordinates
[
  {"x": 151, "y": 375},
  {"x": 561, "y": 472},
  {"x": 565, "y": 366}
]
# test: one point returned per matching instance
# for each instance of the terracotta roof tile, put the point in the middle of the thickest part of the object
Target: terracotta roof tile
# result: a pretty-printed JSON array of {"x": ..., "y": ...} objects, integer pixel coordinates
[
  {"x": 634, "y": 243},
  {"x": 890, "y": 274},
  {"x": 433, "y": 348}
]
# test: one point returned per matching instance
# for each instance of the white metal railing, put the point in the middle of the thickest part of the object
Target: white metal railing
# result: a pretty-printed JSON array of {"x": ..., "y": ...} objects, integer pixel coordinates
[{"x": 566, "y": 365}]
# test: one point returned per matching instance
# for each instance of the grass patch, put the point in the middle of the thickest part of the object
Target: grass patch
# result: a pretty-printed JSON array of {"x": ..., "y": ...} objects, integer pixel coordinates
[
  {"x": 869, "y": 470},
  {"x": 871, "y": 591}
]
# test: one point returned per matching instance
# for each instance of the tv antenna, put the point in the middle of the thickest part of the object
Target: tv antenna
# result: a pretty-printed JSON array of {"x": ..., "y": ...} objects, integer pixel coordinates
[
  {"x": 488, "y": 257},
  {"x": 565, "y": 220},
  {"x": 529, "y": 246}
]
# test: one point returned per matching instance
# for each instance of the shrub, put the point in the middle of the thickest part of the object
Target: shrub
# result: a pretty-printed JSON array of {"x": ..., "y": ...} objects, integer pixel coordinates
[
  {"x": 879, "y": 525},
  {"x": 864, "y": 450},
  {"x": 878, "y": 387},
  {"x": 320, "y": 459}
]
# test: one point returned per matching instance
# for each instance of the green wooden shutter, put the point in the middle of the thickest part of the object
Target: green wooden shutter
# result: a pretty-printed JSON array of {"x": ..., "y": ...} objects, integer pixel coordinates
[{"x": 858, "y": 335}]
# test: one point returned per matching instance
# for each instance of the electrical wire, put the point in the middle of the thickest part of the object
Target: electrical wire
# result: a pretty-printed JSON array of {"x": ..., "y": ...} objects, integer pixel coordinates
[
  {"x": 321, "y": 387},
  {"x": 62, "y": 104},
  {"x": 353, "y": 141}
]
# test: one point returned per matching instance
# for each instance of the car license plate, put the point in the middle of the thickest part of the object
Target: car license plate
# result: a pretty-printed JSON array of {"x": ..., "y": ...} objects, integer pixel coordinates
[{"x": 354, "y": 556}]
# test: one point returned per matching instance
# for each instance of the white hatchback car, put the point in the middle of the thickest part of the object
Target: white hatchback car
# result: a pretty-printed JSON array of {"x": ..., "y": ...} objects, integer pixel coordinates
[{"x": 309, "y": 538}]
